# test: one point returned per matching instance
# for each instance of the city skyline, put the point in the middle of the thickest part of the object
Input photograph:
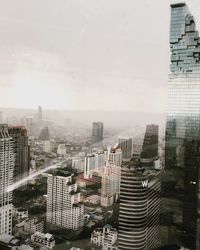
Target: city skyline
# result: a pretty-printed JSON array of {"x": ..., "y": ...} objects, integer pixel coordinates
[
  {"x": 110, "y": 159},
  {"x": 63, "y": 61}
]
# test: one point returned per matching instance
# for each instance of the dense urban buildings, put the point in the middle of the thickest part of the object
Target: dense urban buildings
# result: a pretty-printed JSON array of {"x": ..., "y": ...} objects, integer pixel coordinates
[
  {"x": 21, "y": 151},
  {"x": 97, "y": 132},
  {"x": 63, "y": 201},
  {"x": 181, "y": 180},
  {"x": 126, "y": 145},
  {"x": 6, "y": 179},
  {"x": 150, "y": 146},
  {"x": 139, "y": 194},
  {"x": 140, "y": 205}
]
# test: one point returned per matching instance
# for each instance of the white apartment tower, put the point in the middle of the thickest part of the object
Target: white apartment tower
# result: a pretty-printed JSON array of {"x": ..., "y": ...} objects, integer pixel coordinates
[
  {"x": 114, "y": 159},
  {"x": 94, "y": 163},
  {"x": 115, "y": 156},
  {"x": 63, "y": 201},
  {"x": 6, "y": 179},
  {"x": 107, "y": 187}
]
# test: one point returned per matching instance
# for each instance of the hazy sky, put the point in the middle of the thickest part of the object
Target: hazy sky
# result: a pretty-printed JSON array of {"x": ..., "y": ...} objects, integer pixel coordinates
[{"x": 86, "y": 54}]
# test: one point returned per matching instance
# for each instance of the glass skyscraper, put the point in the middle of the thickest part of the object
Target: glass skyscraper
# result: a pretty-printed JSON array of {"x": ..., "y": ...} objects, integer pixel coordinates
[
  {"x": 150, "y": 146},
  {"x": 97, "y": 132},
  {"x": 182, "y": 150}
]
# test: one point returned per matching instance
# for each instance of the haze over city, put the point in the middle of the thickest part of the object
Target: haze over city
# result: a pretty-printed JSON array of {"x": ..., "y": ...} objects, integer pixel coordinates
[
  {"x": 86, "y": 55},
  {"x": 99, "y": 125}
]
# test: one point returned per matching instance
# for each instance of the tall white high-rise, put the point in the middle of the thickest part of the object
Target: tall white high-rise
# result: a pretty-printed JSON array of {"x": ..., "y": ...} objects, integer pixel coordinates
[
  {"x": 107, "y": 187},
  {"x": 115, "y": 156},
  {"x": 94, "y": 163},
  {"x": 114, "y": 159},
  {"x": 63, "y": 201},
  {"x": 6, "y": 179}
]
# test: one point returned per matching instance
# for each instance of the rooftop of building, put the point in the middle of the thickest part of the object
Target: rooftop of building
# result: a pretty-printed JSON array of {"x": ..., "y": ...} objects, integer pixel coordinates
[
  {"x": 78, "y": 204},
  {"x": 25, "y": 247},
  {"x": 107, "y": 227},
  {"x": 62, "y": 173},
  {"x": 21, "y": 209},
  {"x": 18, "y": 129},
  {"x": 9, "y": 239},
  {"x": 44, "y": 236},
  {"x": 176, "y": 4},
  {"x": 4, "y": 131},
  {"x": 34, "y": 220},
  {"x": 138, "y": 170}
]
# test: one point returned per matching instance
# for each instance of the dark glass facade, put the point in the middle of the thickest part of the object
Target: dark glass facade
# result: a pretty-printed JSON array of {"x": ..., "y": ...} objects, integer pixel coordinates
[
  {"x": 150, "y": 146},
  {"x": 97, "y": 132},
  {"x": 22, "y": 152},
  {"x": 181, "y": 179}
]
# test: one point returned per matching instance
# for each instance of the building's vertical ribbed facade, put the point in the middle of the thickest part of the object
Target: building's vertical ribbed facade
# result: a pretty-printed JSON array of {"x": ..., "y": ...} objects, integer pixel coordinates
[
  {"x": 115, "y": 161},
  {"x": 6, "y": 179},
  {"x": 181, "y": 180},
  {"x": 107, "y": 187},
  {"x": 150, "y": 145},
  {"x": 139, "y": 213},
  {"x": 63, "y": 201},
  {"x": 22, "y": 152},
  {"x": 126, "y": 145}
]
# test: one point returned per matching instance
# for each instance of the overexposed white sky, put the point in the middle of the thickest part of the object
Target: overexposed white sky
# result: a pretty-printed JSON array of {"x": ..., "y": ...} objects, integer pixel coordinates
[{"x": 86, "y": 54}]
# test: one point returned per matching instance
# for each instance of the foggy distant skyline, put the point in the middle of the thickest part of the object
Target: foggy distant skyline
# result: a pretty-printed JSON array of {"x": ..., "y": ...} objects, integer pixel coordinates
[{"x": 86, "y": 54}]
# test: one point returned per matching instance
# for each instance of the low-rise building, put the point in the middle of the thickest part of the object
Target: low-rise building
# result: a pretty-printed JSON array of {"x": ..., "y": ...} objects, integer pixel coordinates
[
  {"x": 105, "y": 237},
  {"x": 10, "y": 242},
  {"x": 61, "y": 149},
  {"x": 34, "y": 225},
  {"x": 43, "y": 240},
  {"x": 48, "y": 146},
  {"x": 20, "y": 213},
  {"x": 93, "y": 199}
]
